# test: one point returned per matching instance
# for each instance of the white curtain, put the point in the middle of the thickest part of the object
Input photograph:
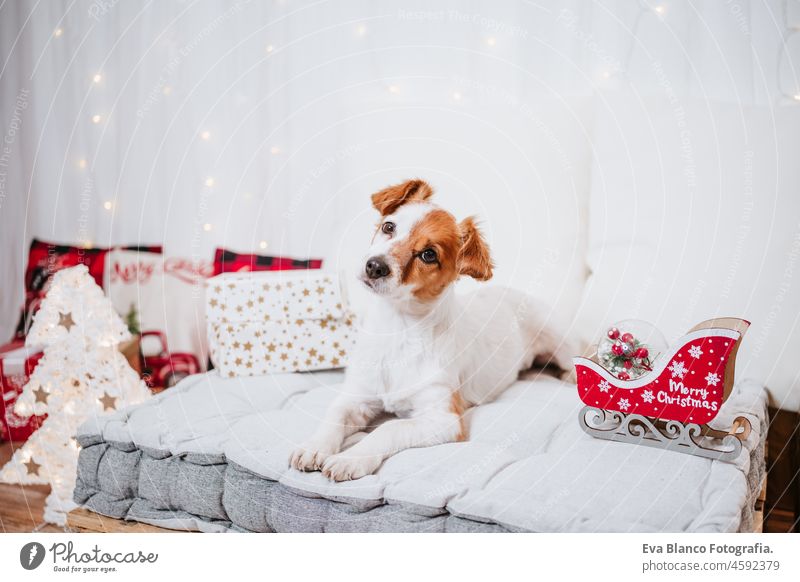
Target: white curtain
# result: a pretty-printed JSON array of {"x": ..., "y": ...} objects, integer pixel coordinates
[{"x": 262, "y": 126}]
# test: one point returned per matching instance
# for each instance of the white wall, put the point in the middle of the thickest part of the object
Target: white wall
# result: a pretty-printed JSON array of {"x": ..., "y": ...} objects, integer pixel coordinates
[{"x": 310, "y": 106}]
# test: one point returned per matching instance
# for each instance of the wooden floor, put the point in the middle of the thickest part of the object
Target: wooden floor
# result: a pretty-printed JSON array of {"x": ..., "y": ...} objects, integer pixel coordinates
[
  {"x": 21, "y": 507},
  {"x": 85, "y": 521}
]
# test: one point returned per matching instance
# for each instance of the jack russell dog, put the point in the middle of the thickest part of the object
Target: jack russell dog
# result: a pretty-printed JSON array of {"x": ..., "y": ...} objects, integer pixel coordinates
[{"x": 425, "y": 354}]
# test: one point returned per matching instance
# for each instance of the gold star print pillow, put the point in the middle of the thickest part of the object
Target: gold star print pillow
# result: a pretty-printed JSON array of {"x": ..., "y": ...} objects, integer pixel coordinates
[{"x": 266, "y": 322}]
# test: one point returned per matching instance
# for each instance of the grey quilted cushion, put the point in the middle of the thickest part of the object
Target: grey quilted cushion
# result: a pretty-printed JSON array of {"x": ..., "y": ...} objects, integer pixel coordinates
[{"x": 211, "y": 455}]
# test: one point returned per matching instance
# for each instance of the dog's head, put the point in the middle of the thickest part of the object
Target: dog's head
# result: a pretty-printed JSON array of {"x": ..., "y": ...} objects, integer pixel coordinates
[{"x": 419, "y": 249}]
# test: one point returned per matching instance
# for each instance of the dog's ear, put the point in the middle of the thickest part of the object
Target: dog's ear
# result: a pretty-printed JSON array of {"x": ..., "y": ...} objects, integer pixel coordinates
[
  {"x": 390, "y": 199},
  {"x": 474, "y": 258}
]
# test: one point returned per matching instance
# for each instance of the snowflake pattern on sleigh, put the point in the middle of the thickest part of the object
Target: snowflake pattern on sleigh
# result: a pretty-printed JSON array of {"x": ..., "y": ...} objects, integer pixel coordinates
[{"x": 688, "y": 384}]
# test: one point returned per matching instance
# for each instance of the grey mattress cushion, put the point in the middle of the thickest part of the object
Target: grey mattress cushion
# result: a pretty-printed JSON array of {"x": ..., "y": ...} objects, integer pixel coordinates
[{"x": 211, "y": 454}]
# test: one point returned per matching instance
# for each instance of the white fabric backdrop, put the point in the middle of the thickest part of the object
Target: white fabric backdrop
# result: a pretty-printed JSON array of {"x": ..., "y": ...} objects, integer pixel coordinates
[
  {"x": 311, "y": 105},
  {"x": 714, "y": 230}
]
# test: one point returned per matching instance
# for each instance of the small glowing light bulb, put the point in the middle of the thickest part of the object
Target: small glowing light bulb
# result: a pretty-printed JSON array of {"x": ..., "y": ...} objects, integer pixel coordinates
[
  {"x": 206, "y": 135},
  {"x": 58, "y": 32},
  {"x": 796, "y": 96},
  {"x": 97, "y": 78},
  {"x": 659, "y": 9},
  {"x": 207, "y": 226},
  {"x": 457, "y": 96},
  {"x": 166, "y": 90},
  {"x": 606, "y": 75},
  {"x": 394, "y": 89},
  {"x": 262, "y": 244},
  {"x": 96, "y": 119},
  {"x": 270, "y": 48},
  {"x": 361, "y": 30},
  {"x": 491, "y": 41},
  {"x": 209, "y": 182},
  {"x": 108, "y": 205},
  {"x": 247, "y": 196},
  {"x": 82, "y": 163},
  {"x": 274, "y": 150}
]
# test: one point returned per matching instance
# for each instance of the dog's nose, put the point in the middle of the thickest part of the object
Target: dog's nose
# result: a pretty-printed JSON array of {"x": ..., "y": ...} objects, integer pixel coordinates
[{"x": 377, "y": 268}]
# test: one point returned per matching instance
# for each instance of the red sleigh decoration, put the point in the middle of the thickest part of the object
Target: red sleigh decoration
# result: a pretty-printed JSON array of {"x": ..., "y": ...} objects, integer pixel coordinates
[{"x": 671, "y": 406}]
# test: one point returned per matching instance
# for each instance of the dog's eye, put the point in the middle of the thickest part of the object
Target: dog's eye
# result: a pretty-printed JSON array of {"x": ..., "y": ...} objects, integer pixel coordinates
[
  {"x": 388, "y": 228},
  {"x": 428, "y": 256}
]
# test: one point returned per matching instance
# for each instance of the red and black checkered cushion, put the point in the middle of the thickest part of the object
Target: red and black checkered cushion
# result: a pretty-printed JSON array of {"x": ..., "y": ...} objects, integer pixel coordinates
[
  {"x": 226, "y": 261},
  {"x": 45, "y": 259}
]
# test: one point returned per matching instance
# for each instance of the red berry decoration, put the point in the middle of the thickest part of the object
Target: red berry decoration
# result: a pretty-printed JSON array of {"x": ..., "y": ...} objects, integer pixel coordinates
[{"x": 627, "y": 349}]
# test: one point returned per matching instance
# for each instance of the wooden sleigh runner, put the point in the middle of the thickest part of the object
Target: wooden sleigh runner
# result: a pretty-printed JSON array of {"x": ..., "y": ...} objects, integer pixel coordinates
[{"x": 671, "y": 406}]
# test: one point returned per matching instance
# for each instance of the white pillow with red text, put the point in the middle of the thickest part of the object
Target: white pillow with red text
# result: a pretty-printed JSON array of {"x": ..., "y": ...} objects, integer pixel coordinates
[{"x": 168, "y": 294}]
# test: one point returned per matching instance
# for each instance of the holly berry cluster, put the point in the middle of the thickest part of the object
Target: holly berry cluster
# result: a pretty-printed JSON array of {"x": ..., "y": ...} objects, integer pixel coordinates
[{"x": 627, "y": 357}]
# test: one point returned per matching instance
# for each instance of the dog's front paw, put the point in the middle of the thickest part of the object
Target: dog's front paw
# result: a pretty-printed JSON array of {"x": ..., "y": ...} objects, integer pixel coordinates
[
  {"x": 310, "y": 457},
  {"x": 347, "y": 466}
]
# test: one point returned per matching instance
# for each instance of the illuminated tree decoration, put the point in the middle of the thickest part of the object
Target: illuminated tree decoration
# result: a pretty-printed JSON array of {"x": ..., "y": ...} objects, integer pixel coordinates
[{"x": 82, "y": 374}]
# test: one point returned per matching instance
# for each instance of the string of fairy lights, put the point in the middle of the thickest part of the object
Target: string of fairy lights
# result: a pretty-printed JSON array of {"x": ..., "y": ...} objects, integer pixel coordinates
[{"x": 660, "y": 10}]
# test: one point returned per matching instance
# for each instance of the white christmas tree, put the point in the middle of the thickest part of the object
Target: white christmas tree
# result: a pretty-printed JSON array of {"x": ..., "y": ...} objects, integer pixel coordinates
[{"x": 81, "y": 374}]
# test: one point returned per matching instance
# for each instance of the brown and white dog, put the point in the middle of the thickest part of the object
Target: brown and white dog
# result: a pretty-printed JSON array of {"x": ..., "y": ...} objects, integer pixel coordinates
[{"x": 425, "y": 354}]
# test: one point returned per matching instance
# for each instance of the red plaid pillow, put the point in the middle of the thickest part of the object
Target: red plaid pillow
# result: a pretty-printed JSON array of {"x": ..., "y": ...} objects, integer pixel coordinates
[{"x": 226, "y": 261}]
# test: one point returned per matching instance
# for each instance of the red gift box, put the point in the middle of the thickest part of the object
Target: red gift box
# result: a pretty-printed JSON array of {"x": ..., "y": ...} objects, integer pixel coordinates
[{"x": 16, "y": 365}]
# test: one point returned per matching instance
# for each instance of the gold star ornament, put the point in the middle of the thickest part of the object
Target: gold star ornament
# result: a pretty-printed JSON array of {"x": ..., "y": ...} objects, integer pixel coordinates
[
  {"x": 32, "y": 467},
  {"x": 65, "y": 320},
  {"x": 108, "y": 401},
  {"x": 41, "y": 395}
]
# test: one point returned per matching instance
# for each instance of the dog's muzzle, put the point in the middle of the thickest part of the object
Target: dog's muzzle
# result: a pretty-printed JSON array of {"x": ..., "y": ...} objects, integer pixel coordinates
[{"x": 377, "y": 268}]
